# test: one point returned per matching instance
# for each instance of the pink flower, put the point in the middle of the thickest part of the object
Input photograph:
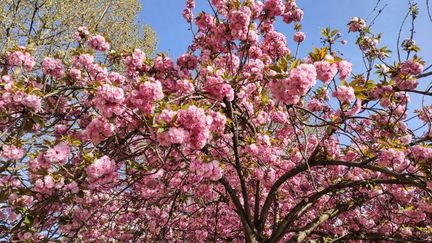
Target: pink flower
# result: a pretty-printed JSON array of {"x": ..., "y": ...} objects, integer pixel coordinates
[
  {"x": 315, "y": 105},
  {"x": 18, "y": 58},
  {"x": 82, "y": 61},
  {"x": 184, "y": 86},
  {"x": 197, "y": 123},
  {"x": 293, "y": 15},
  {"x": 187, "y": 61},
  {"x": 174, "y": 135},
  {"x": 146, "y": 95},
  {"x": 49, "y": 182},
  {"x": 32, "y": 102},
  {"x": 274, "y": 44},
  {"x": 355, "y": 109},
  {"x": 211, "y": 171},
  {"x": 421, "y": 153},
  {"x": 299, "y": 37},
  {"x": 356, "y": 24},
  {"x": 274, "y": 7},
  {"x": 45, "y": 185},
  {"x": 53, "y": 67},
  {"x": 279, "y": 117},
  {"x": 98, "y": 43},
  {"x": 393, "y": 158},
  {"x": 58, "y": 153},
  {"x": 300, "y": 80},
  {"x": 187, "y": 14},
  {"x": 116, "y": 78},
  {"x": 166, "y": 116},
  {"x": 218, "y": 123},
  {"x": 218, "y": 88},
  {"x": 239, "y": 21},
  {"x": 98, "y": 130},
  {"x": 11, "y": 152},
  {"x": 101, "y": 167},
  {"x": 345, "y": 69},
  {"x": 405, "y": 78},
  {"x": 254, "y": 69},
  {"x": 325, "y": 70},
  {"x": 109, "y": 100},
  {"x": 344, "y": 94},
  {"x": 187, "y": 11},
  {"x": 81, "y": 33}
]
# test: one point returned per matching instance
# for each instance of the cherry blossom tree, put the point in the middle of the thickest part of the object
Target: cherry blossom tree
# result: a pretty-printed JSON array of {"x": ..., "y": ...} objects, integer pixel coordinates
[{"x": 238, "y": 140}]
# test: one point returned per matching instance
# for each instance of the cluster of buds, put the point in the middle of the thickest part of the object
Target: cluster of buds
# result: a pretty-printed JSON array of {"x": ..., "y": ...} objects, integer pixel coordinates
[
  {"x": 356, "y": 24},
  {"x": 81, "y": 34},
  {"x": 369, "y": 45},
  {"x": 409, "y": 45}
]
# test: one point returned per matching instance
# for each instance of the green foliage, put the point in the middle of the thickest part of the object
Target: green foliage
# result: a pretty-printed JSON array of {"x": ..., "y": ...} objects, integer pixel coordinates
[{"x": 48, "y": 25}]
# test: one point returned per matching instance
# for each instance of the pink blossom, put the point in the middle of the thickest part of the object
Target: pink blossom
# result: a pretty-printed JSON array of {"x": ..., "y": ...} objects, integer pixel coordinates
[
  {"x": 198, "y": 124},
  {"x": 11, "y": 152},
  {"x": 344, "y": 69},
  {"x": 98, "y": 130},
  {"x": 300, "y": 80},
  {"x": 174, "y": 135},
  {"x": 187, "y": 11},
  {"x": 101, "y": 167},
  {"x": 274, "y": 45},
  {"x": 293, "y": 15},
  {"x": 109, "y": 100},
  {"x": 325, "y": 70},
  {"x": 406, "y": 77},
  {"x": 184, "y": 86},
  {"x": 33, "y": 102},
  {"x": 239, "y": 22},
  {"x": 254, "y": 68},
  {"x": 274, "y": 7},
  {"x": 53, "y": 67},
  {"x": 98, "y": 43},
  {"x": 166, "y": 116},
  {"x": 279, "y": 116},
  {"x": 82, "y": 61},
  {"x": 58, "y": 153},
  {"x": 421, "y": 153},
  {"x": 344, "y": 93},
  {"x": 188, "y": 61},
  {"x": 146, "y": 95},
  {"x": 18, "y": 59},
  {"x": 218, "y": 123},
  {"x": 211, "y": 171},
  {"x": 356, "y": 24},
  {"x": 218, "y": 88},
  {"x": 299, "y": 37},
  {"x": 81, "y": 33},
  {"x": 116, "y": 78}
]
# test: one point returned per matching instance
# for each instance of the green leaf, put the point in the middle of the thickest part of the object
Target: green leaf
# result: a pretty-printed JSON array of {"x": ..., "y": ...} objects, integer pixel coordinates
[
  {"x": 276, "y": 68},
  {"x": 295, "y": 64},
  {"x": 28, "y": 220},
  {"x": 279, "y": 76},
  {"x": 161, "y": 129},
  {"x": 334, "y": 32}
]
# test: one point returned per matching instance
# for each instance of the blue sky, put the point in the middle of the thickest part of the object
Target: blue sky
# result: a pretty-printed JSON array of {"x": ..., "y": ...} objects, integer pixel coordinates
[{"x": 165, "y": 16}]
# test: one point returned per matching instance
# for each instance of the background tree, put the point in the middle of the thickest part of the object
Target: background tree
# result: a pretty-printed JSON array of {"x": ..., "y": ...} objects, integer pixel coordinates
[{"x": 48, "y": 25}]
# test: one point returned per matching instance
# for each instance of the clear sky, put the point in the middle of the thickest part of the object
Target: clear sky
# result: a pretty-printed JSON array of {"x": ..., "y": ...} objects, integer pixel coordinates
[{"x": 165, "y": 16}]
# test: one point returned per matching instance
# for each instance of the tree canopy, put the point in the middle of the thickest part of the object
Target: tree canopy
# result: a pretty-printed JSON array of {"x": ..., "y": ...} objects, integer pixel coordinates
[
  {"x": 239, "y": 139},
  {"x": 48, "y": 25}
]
